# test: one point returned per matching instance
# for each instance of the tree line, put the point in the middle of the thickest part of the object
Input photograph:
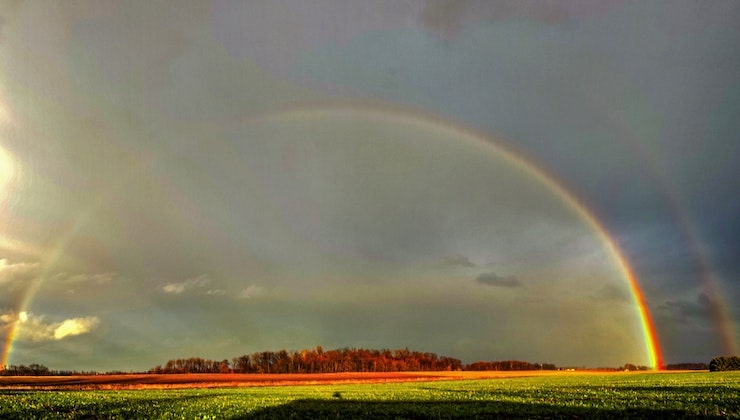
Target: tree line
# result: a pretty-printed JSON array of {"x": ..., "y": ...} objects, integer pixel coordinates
[
  {"x": 337, "y": 360},
  {"x": 688, "y": 366},
  {"x": 35, "y": 369},
  {"x": 346, "y": 360},
  {"x": 510, "y": 365}
]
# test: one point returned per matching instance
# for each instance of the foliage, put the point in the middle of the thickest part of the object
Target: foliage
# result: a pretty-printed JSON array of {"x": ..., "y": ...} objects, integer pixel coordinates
[
  {"x": 193, "y": 365},
  {"x": 620, "y": 395},
  {"x": 510, "y": 365},
  {"x": 338, "y": 360},
  {"x": 317, "y": 361},
  {"x": 724, "y": 363},
  {"x": 23, "y": 370},
  {"x": 631, "y": 368},
  {"x": 35, "y": 369}
]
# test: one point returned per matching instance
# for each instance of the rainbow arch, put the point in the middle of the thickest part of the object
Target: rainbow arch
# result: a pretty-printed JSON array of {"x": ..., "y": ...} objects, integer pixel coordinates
[
  {"x": 398, "y": 114},
  {"x": 385, "y": 112}
]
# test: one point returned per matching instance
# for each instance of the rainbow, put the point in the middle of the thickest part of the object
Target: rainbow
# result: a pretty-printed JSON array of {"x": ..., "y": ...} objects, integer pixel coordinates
[
  {"x": 385, "y": 112},
  {"x": 510, "y": 153}
]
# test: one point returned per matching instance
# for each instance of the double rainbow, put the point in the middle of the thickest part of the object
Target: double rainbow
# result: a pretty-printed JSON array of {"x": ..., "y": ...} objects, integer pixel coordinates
[{"x": 396, "y": 115}]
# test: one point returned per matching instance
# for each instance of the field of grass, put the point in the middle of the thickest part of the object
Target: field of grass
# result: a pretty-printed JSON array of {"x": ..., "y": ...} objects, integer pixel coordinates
[{"x": 635, "y": 395}]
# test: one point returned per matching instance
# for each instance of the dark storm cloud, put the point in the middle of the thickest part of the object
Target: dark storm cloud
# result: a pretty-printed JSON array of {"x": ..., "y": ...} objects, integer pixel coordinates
[{"x": 493, "y": 279}]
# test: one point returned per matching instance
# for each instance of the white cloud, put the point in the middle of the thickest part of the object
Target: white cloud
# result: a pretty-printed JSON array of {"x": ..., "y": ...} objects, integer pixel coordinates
[
  {"x": 186, "y": 285},
  {"x": 252, "y": 292},
  {"x": 35, "y": 328},
  {"x": 75, "y": 326},
  {"x": 176, "y": 288}
]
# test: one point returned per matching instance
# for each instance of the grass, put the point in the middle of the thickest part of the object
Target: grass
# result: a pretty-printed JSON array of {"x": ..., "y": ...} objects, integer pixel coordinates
[{"x": 643, "y": 395}]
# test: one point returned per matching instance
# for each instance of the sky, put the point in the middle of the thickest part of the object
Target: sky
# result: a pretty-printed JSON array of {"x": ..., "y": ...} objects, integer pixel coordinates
[{"x": 477, "y": 179}]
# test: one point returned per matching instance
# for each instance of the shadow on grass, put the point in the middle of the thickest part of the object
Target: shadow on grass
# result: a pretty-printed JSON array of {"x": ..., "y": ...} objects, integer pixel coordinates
[{"x": 355, "y": 409}]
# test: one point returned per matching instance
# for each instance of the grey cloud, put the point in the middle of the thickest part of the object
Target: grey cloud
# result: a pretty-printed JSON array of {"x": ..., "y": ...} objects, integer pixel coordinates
[
  {"x": 447, "y": 18},
  {"x": 493, "y": 279},
  {"x": 455, "y": 261},
  {"x": 686, "y": 311}
]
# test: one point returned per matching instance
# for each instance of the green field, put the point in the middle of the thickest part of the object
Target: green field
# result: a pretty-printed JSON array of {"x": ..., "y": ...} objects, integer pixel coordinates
[{"x": 644, "y": 395}]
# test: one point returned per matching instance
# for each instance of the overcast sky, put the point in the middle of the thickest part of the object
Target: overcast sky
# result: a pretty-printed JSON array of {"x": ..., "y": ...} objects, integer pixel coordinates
[{"x": 217, "y": 178}]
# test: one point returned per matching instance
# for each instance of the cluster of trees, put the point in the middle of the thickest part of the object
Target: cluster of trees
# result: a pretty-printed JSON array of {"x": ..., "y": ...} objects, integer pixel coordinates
[
  {"x": 631, "y": 368},
  {"x": 193, "y": 365},
  {"x": 35, "y": 369},
  {"x": 510, "y": 365},
  {"x": 723, "y": 363},
  {"x": 338, "y": 360},
  {"x": 23, "y": 370},
  {"x": 317, "y": 361}
]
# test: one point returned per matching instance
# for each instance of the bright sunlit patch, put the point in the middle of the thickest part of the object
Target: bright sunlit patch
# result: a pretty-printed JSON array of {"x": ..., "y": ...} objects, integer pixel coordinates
[{"x": 76, "y": 326}]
